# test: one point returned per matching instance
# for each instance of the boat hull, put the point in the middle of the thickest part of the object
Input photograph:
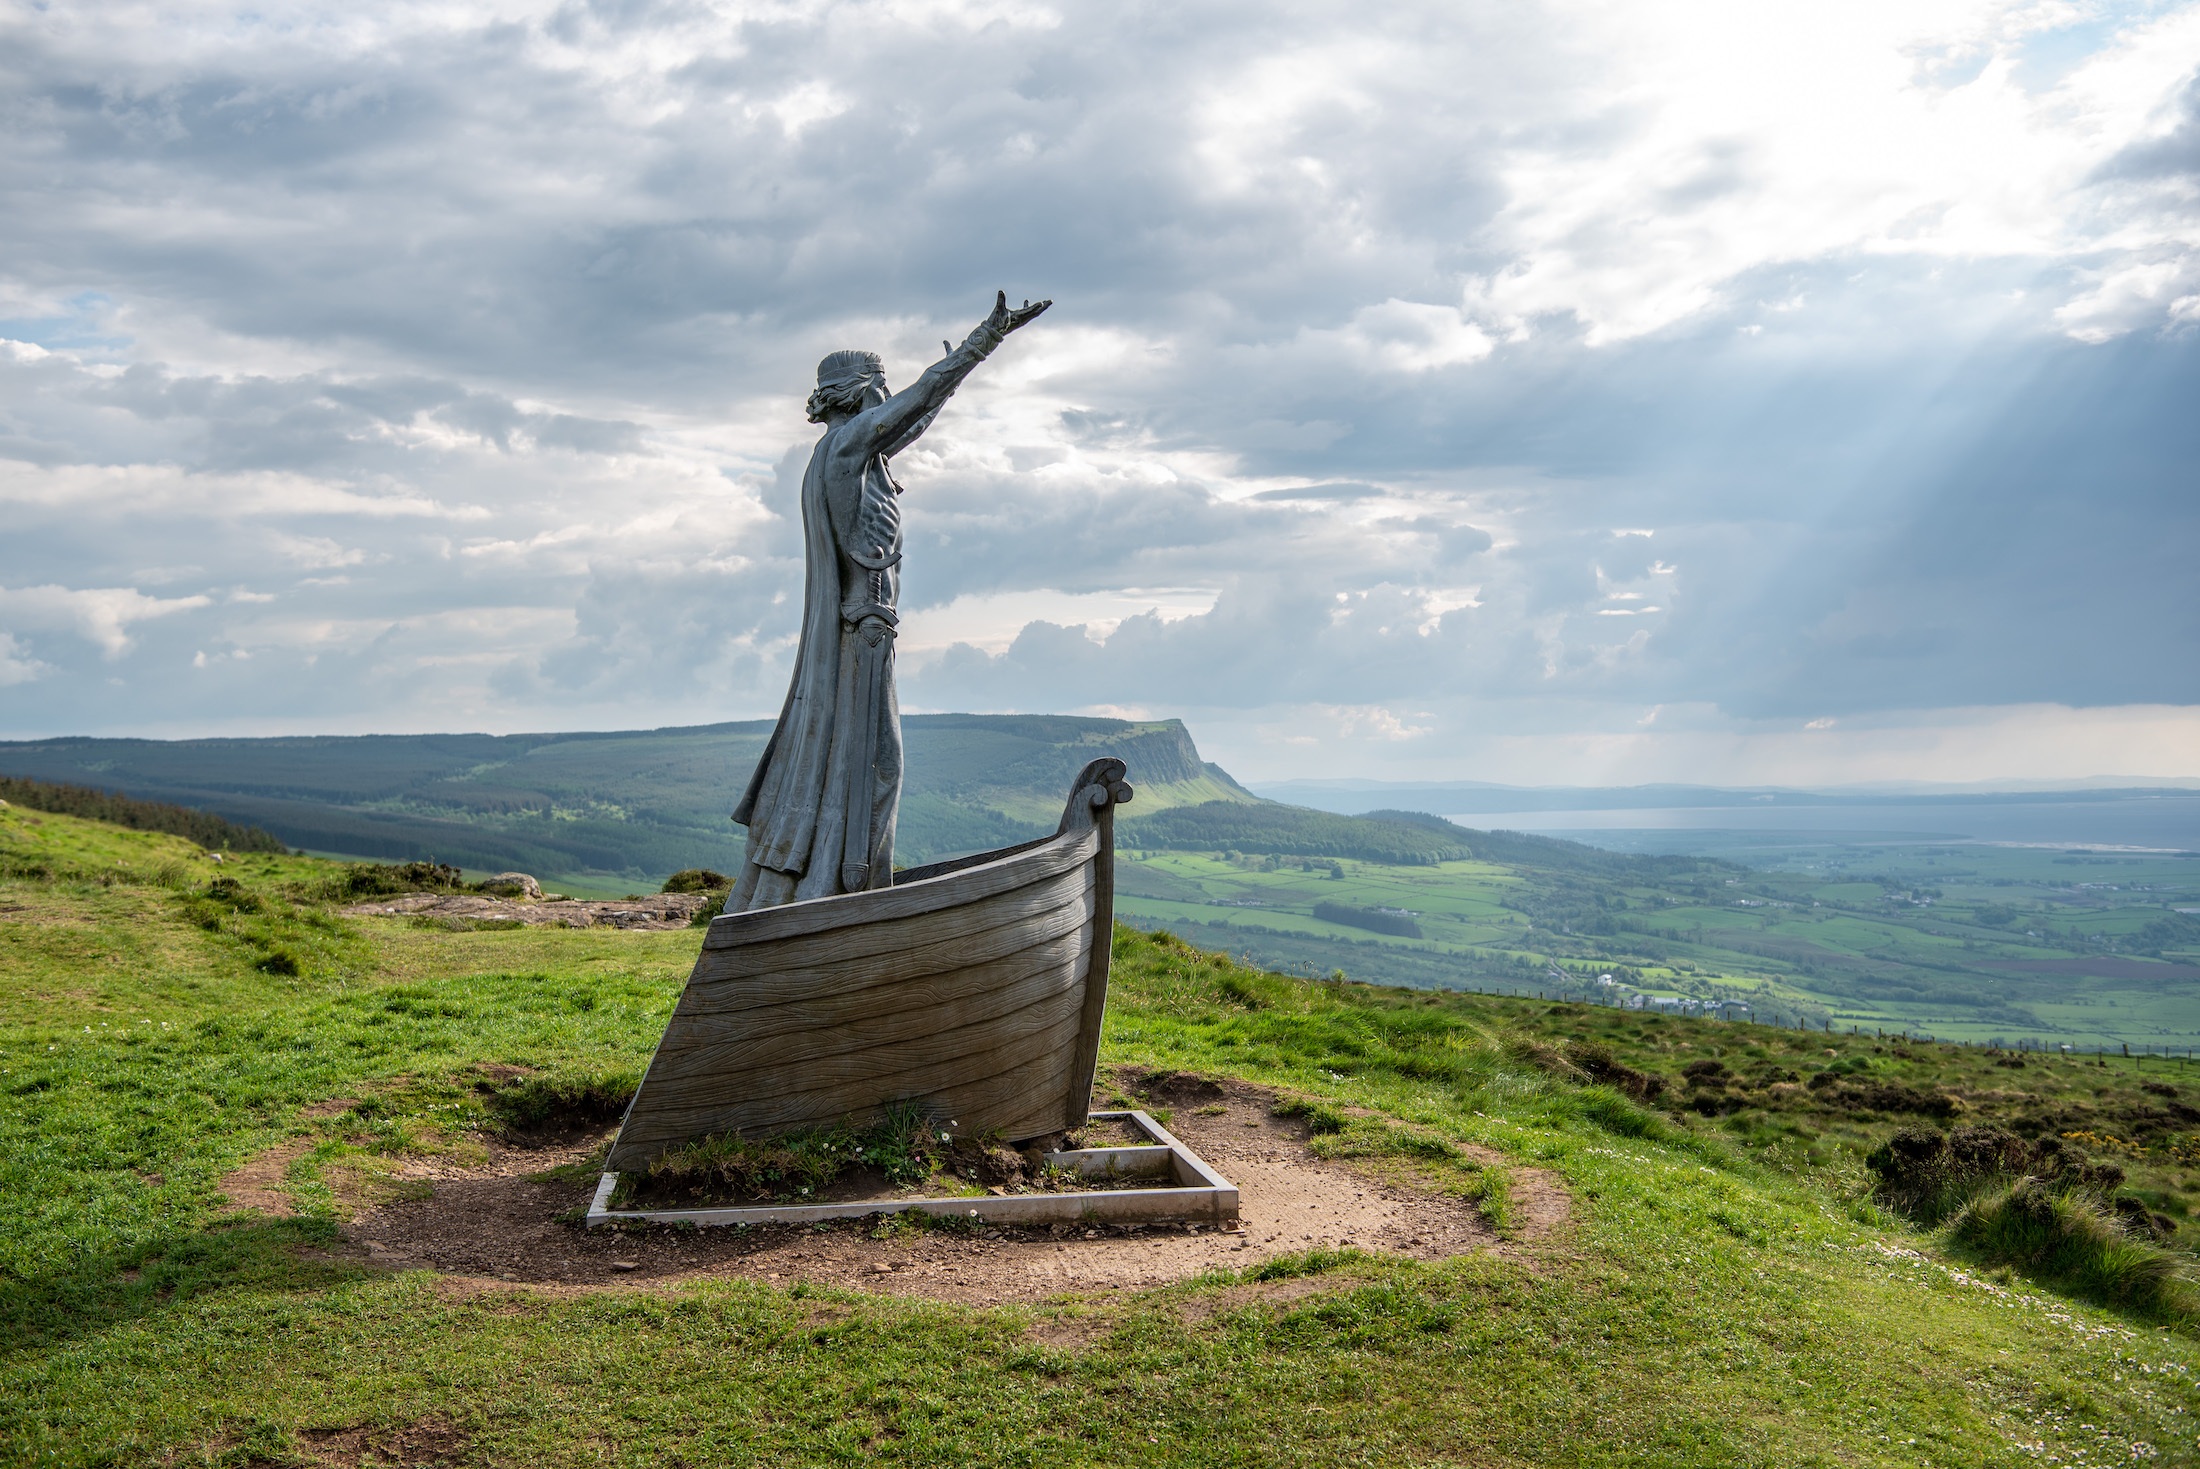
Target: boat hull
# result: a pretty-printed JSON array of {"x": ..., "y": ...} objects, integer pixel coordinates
[{"x": 972, "y": 989}]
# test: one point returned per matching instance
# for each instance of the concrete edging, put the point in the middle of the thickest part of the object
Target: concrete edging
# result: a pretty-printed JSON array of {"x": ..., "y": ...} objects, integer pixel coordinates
[{"x": 1198, "y": 1194}]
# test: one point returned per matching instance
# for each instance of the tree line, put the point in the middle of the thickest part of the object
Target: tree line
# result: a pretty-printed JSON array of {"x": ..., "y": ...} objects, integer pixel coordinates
[{"x": 205, "y": 828}]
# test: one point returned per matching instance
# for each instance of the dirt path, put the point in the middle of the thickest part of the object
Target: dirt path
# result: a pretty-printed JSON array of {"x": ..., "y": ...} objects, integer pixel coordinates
[{"x": 500, "y": 1224}]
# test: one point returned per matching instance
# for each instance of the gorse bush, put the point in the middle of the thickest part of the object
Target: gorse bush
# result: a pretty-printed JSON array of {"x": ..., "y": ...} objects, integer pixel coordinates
[
  {"x": 1929, "y": 1176},
  {"x": 711, "y": 909},
  {"x": 2037, "y": 1206},
  {"x": 1596, "y": 1062},
  {"x": 387, "y": 879},
  {"x": 696, "y": 880}
]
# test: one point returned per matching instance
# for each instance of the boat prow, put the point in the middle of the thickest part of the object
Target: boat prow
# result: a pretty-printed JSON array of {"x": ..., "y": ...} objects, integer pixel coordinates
[{"x": 972, "y": 988}]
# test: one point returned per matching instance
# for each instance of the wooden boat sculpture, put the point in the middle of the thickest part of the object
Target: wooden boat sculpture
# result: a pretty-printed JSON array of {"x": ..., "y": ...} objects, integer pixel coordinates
[{"x": 972, "y": 988}]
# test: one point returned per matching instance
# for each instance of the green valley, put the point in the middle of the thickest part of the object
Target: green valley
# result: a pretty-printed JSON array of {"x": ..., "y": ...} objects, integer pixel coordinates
[{"x": 1977, "y": 943}]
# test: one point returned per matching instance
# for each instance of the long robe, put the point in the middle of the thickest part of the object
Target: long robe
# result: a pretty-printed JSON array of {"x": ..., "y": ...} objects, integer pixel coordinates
[{"x": 798, "y": 808}]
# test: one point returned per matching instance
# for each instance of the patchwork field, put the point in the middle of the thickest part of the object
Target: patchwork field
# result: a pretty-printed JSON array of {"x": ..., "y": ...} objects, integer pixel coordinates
[
  {"x": 1973, "y": 942},
  {"x": 213, "y": 1087}
]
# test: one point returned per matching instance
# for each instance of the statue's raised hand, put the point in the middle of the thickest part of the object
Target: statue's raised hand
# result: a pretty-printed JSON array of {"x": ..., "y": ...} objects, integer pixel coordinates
[{"x": 1005, "y": 319}]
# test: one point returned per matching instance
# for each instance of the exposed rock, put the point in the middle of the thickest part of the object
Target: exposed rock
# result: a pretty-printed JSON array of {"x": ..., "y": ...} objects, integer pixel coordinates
[
  {"x": 513, "y": 885},
  {"x": 659, "y": 910}
]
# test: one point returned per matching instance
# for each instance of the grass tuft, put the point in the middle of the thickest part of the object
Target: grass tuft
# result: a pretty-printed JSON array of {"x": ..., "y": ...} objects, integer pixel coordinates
[{"x": 2068, "y": 1238}]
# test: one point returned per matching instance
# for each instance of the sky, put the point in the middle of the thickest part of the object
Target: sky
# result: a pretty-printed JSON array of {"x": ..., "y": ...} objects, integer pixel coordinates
[{"x": 1561, "y": 393}]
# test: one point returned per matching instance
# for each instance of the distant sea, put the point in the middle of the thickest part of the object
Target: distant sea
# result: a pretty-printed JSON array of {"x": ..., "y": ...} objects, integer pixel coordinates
[{"x": 2170, "y": 823}]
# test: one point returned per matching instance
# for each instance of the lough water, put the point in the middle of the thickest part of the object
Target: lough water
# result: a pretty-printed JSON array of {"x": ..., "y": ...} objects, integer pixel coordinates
[{"x": 2170, "y": 823}]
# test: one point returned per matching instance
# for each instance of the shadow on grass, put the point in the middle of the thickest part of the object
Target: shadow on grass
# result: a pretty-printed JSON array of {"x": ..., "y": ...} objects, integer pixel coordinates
[{"x": 111, "y": 1289}]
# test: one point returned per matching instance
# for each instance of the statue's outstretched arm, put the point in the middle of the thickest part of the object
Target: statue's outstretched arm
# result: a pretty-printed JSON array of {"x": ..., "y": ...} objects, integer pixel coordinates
[{"x": 895, "y": 424}]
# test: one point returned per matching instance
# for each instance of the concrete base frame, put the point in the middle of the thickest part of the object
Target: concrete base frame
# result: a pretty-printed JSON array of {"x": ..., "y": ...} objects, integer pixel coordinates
[{"x": 1194, "y": 1192}]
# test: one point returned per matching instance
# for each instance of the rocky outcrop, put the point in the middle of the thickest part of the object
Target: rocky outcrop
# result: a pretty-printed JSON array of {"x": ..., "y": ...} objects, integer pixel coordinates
[
  {"x": 659, "y": 910},
  {"x": 512, "y": 885}
]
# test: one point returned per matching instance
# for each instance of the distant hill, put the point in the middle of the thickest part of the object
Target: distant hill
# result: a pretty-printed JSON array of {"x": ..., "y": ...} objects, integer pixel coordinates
[
  {"x": 623, "y": 806},
  {"x": 1399, "y": 838},
  {"x": 205, "y": 828}
]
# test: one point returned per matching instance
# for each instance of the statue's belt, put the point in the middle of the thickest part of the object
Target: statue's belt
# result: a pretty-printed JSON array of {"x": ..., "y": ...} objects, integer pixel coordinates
[{"x": 854, "y": 613}]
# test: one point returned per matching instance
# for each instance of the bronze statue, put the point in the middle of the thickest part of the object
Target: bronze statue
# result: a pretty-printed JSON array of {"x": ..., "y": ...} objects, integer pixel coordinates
[{"x": 820, "y": 808}]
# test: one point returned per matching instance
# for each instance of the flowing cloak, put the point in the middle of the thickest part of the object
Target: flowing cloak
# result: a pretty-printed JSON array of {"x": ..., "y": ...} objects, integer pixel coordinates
[{"x": 840, "y": 729}]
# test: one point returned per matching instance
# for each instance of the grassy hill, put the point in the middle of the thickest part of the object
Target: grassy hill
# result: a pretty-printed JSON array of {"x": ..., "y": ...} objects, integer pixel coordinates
[
  {"x": 1727, "y": 1290},
  {"x": 1977, "y": 942},
  {"x": 590, "y": 811}
]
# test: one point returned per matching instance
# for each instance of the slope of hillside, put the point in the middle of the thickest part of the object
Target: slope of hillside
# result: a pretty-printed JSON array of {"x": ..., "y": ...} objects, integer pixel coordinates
[
  {"x": 625, "y": 807},
  {"x": 192, "y": 1134}
]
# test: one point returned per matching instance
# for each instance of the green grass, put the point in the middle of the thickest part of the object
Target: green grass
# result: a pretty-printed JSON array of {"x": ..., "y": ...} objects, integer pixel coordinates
[{"x": 1714, "y": 1301}]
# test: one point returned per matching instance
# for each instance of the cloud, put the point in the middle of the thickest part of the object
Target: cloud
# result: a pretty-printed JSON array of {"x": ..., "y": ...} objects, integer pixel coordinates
[
  {"x": 16, "y": 664},
  {"x": 102, "y": 616},
  {"x": 418, "y": 365}
]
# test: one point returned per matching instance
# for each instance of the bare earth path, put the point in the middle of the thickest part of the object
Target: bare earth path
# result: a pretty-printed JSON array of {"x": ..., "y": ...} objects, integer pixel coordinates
[{"x": 499, "y": 1224}]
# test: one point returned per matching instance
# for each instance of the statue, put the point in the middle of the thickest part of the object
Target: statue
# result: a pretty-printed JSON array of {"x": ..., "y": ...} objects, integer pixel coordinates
[{"x": 820, "y": 807}]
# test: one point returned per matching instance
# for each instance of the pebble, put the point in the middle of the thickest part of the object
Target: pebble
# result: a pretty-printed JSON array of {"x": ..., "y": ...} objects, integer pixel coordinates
[{"x": 626, "y": 1264}]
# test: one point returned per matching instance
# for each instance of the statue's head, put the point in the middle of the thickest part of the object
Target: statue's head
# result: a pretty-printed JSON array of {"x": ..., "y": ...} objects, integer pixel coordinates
[{"x": 847, "y": 382}]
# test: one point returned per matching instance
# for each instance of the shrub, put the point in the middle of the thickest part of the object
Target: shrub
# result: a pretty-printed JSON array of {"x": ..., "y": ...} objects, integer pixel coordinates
[
  {"x": 386, "y": 879},
  {"x": 1929, "y": 1175},
  {"x": 696, "y": 880},
  {"x": 1596, "y": 1061},
  {"x": 1591, "y": 1063},
  {"x": 1886, "y": 1096}
]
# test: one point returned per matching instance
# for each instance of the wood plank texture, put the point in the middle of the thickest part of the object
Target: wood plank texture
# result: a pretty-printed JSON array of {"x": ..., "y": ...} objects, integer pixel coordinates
[
  {"x": 980, "y": 1103},
  {"x": 1030, "y": 916},
  {"x": 833, "y": 1100},
  {"x": 910, "y": 1007},
  {"x": 923, "y": 1037},
  {"x": 883, "y": 907},
  {"x": 976, "y": 994}
]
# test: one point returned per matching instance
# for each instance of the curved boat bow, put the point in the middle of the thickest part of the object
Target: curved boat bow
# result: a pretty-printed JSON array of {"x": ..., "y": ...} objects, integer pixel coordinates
[{"x": 973, "y": 988}]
